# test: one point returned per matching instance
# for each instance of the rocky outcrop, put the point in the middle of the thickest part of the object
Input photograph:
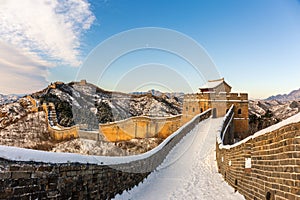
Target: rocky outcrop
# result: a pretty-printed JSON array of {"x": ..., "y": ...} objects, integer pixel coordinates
[
  {"x": 12, "y": 112},
  {"x": 28, "y": 132}
]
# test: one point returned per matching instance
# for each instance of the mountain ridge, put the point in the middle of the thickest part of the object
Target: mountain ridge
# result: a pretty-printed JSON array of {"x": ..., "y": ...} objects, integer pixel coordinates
[
  {"x": 9, "y": 98},
  {"x": 85, "y": 103},
  {"x": 292, "y": 96},
  {"x": 264, "y": 113}
]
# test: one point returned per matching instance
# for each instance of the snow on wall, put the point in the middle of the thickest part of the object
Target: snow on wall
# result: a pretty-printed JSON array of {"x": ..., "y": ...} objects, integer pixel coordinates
[
  {"x": 20, "y": 154},
  {"x": 290, "y": 120},
  {"x": 224, "y": 126},
  {"x": 265, "y": 164},
  {"x": 39, "y": 175}
]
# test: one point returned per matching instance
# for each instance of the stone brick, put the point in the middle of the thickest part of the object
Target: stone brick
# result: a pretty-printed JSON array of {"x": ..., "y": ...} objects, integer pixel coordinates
[
  {"x": 5, "y": 175},
  {"x": 43, "y": 168},
  {"x": 38, "y": 174},
  {"x": 275, "y": 167},
  {"x": 20, "y": 190},
  {"x": 14, "y": 167},
  {"x": 20, "y": 174},
  {"x": 290, "y": 196}
]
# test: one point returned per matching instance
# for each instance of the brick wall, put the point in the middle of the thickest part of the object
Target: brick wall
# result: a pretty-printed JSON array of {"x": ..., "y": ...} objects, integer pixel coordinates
[
  {"x": 134, "y": 127},
  {"x": 140, "y": 127},
  {"x": 61, "y": 133},
  {"x": 64, "y": 133},
  {"x": 32, "y": 180},
  {"x": 275, "y": 164},
  {"x": 89, "y": 135}
]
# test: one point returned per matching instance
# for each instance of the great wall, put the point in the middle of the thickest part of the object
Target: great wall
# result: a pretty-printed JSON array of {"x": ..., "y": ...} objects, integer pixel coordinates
[
  {"x": 140, "y": 127},
  {"x": 261, "y": 166},
  {"x": 134, "y": 127},
  {"x": 75, "y": 178},
  {"x": 162, "y": 127}
]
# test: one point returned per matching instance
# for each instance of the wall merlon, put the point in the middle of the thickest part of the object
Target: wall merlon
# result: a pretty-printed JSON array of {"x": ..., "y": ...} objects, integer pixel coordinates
[{"x": 237, "y": 96}]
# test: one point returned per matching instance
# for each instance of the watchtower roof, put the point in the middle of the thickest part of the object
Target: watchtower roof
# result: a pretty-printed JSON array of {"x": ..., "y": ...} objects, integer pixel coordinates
[{"x": 213, "y": 84}]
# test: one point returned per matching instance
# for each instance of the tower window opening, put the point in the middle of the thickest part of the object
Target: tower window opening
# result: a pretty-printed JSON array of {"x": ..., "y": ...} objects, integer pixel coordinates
[{"x": 239, "y": 111}]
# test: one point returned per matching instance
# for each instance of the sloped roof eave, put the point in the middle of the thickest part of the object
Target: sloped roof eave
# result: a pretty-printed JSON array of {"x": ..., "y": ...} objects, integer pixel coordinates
[{"x": 214, "y": 84}]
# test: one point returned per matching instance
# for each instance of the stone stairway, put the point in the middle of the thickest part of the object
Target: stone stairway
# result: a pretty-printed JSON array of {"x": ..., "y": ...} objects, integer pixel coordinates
[{"x": 52, "y": 117}]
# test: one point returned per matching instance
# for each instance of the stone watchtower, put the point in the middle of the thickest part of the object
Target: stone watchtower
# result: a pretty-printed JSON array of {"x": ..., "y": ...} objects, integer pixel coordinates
[{"x": 217, "y": 94}]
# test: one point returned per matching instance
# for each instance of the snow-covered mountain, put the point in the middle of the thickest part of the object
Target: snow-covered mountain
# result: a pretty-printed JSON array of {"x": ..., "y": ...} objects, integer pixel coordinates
[
  {"x": 179, "y": 95},
  {"x": 78, "y": 103},
  {"x": 21, "y": 128},
  {"x": 12, "y": 112},
  {"x": 280, "y": 110},
  {"x": 9, "y": 98},
  {"x": 292, "y": 96},
  {"x": 264, "y": 113}
]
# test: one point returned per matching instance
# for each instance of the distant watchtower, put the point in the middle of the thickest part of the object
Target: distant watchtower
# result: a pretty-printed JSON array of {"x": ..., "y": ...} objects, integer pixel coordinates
[
  {"x": 82, "y": 82},
  {"x": 217, "y": 94}
]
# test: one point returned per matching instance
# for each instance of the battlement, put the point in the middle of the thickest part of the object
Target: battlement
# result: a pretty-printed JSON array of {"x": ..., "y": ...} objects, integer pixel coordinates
[
  {"x": 190, "y": 97},
  {"x": 213, "y": 96},
  {"x": 237, "y": 96}
]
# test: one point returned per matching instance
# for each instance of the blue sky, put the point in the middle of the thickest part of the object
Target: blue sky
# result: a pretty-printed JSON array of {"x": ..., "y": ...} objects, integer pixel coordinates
[{"x": 254, "y": 44}]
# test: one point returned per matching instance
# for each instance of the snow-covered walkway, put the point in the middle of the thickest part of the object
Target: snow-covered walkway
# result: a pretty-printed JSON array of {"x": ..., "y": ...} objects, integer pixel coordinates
[{"x": 188, "y": 172}]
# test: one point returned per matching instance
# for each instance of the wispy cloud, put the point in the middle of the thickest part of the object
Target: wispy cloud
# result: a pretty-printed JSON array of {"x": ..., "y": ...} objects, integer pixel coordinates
[
  {"x": 19, "y": 72},
  {"x": 41, "y": 33}
]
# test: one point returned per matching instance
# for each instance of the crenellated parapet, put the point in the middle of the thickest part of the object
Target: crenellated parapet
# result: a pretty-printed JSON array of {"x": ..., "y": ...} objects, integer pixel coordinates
[
  {"x": 237, "y": 96},
  {"x": 213, "y": 96}
]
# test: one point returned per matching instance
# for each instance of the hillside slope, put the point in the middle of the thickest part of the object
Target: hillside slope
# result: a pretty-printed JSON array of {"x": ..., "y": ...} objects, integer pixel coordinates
[
  {"x": 265, "y": 113},
  {"x": 12, "y": 112},
  {"x": 4, "y": 99},
  {"x": 88, "y": 104}
]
